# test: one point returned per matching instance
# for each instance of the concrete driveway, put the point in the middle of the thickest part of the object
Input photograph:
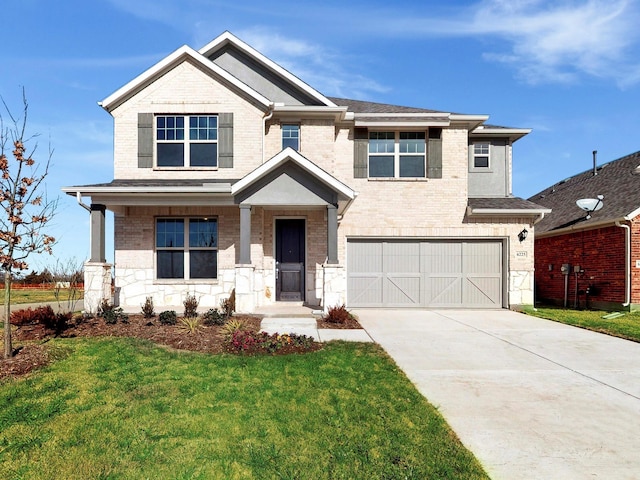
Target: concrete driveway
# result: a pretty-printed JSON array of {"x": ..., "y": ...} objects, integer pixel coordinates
[{"x": 531, "y": 398}]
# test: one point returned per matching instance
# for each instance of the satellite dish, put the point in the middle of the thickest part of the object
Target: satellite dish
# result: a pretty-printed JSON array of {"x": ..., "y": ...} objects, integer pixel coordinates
[{"x": 590, "y": 205}]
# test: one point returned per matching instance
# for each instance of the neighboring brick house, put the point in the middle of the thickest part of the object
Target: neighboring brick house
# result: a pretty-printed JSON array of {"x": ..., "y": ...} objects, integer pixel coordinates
[
  {"x": 602, "y": 252},
  {"x": 232, "y": 173}
]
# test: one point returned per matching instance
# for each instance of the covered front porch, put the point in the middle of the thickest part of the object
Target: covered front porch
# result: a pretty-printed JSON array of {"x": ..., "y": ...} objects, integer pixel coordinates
[
  {"x": 301, "y": 205},
  {"x": 276, "y": 238}
]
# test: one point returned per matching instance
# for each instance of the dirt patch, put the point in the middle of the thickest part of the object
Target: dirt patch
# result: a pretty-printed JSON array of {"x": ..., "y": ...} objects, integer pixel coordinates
[{"x": 207, "y": 339}]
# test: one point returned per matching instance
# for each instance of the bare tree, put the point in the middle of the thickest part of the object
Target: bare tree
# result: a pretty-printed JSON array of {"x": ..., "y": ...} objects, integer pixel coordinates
[
  {"x": 24, "y": 212},
  {"x": 66, "y": 280}
]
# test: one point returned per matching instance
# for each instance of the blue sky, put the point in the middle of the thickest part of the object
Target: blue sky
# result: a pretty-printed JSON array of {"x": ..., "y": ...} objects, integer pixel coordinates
[{"x": 568, "y": 69}]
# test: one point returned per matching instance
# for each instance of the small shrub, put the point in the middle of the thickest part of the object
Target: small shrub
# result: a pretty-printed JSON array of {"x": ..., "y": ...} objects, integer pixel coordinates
[
  {"x": 338, "y": 314},
  {"x": 45, "y": 316},
  {"x": 29, "y": 316},
  {"x": 60, "y": 322},
  {"x": 105, "y": 306},
  {"x": 168, "y": 317},
  {"x": 111, "y": 313},
  {"x": 147, "y": 308},
  {"x": 190, "y": 306},
  {"x": 190, "y": 324},
  {"x": 214, "y": 317},
  {"x": 232, "y": 326}
]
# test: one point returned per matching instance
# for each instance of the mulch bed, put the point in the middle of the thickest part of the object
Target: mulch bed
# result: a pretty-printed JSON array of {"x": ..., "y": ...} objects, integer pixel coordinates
[{"x": 33, "y": 352}]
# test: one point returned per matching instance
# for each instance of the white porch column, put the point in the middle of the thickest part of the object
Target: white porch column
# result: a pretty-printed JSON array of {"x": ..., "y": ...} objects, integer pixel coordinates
[
  {"x": 335, "y": 286},
  {"x": 97, "y": 285}
]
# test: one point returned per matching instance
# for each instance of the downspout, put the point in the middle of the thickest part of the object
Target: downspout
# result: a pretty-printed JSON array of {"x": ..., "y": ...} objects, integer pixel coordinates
[
  {"x": 79, "y": 199},
  {"x": 627, "y": 263},
  {"x": 268, "y": 116}
]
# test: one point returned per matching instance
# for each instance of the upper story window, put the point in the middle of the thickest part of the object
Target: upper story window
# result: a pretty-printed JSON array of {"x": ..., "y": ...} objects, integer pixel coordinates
[
  {"x": 187, "y": 248},
  {"x": 291, "y": 136},
  {"x": 481, "y": 155},
  {"x": 197, "y": 147},
  {"x": 397, "y": 154}
]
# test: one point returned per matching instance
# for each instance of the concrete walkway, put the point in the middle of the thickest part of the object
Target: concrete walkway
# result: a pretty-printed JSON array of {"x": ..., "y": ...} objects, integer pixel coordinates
[
  {"x": 531, "y": 398},
  {"x": 78, "y": 305}
]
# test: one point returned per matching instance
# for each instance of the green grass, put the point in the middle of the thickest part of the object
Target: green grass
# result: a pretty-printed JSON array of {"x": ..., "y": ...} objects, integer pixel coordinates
[
  {"x": 37, "y": 296},
  {"x": 626, "y": 326},
  {"x": 126, "y": 409}
]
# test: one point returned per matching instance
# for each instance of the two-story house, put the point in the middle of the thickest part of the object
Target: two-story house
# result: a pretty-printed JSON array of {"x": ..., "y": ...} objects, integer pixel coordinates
[{"x": 232, "y": 173}]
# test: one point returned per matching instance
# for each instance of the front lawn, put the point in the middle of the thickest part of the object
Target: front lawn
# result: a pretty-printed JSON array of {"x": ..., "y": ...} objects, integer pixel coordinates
[
  {"x": 125, "y": 408},
  {"x": 626, "y": 326}
]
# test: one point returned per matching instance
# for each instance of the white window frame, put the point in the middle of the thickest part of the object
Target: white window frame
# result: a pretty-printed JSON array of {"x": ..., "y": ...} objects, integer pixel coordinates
[
  {"x": 186, "y": 141},
  {"x": 186, "y": 249},
  {"x": 479, "y": 152},
  {"x": 297, "y": 137},
  {"x": 397, "y": 154}
]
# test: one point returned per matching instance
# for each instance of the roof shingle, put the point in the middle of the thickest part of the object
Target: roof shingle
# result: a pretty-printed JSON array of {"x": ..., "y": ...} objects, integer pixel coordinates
[{"x": 618, "y": 181}]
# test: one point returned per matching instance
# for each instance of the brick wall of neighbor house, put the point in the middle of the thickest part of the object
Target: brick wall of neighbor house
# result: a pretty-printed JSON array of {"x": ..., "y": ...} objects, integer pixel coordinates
[
  {"x": 198, "y": 93},
  {"x": 599, "y": 252},
  {"x": 635, "y": 258}
]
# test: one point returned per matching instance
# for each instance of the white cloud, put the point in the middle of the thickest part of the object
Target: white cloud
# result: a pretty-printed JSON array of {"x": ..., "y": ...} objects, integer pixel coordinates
[
  {"x": 545, "y": 41},
  {"x": 557, "y": 42}
]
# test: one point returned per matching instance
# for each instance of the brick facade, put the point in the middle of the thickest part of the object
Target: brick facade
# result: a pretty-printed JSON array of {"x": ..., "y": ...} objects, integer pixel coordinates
[{"x": 600, "y": 254}]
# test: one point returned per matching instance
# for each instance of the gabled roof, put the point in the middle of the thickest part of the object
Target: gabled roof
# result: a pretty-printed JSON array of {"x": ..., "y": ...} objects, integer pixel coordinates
[
  {"x": 618, "y": 181},
  {"x": 287, "y": 155},
  {"x": 227, "y": 38},
  {"x": 182, "y": 54}
]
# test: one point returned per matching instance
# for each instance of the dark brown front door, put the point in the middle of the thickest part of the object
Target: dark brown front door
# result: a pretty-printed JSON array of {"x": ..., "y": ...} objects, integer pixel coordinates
[{"x": 290, "y": 259}]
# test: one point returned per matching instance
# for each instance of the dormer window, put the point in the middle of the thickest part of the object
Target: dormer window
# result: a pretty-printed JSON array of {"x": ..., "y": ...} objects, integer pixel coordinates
[
  {"x": 187, "y": 141},
  {"x": 291, "y": 136}
]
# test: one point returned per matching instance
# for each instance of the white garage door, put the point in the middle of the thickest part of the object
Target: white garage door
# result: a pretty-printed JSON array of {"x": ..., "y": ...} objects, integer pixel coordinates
[{"x": 423, "y": 273}]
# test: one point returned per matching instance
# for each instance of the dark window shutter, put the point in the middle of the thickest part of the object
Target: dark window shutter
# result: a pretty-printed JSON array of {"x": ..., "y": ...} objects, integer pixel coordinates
[
  {"x": 360, "y": 152},
  {"x": 434, "y": 162},
  {"x": 225, "y": 140},
  {"x": 145, "y": 140}
]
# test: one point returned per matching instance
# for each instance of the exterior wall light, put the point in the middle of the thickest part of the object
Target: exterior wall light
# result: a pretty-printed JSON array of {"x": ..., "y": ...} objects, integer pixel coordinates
[{"x": 523, "y": 235}]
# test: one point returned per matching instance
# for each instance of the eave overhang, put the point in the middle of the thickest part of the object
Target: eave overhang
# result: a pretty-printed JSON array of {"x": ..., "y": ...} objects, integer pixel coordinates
[
  {"x": 402, "y": 120},
  {"x": 338, "y": 114},
  {"x": 112, "y": 196},
  {"x": 505, "y": 207},
  {"x": 513, "y": 133},
  {"x": 510, "y": 212}
]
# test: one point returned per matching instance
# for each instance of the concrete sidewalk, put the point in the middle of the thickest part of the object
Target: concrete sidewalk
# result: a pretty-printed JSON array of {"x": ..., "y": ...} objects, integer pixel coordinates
[
  {"x": 79, "y": 305},
  {"x": 532, "y": 399}
]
